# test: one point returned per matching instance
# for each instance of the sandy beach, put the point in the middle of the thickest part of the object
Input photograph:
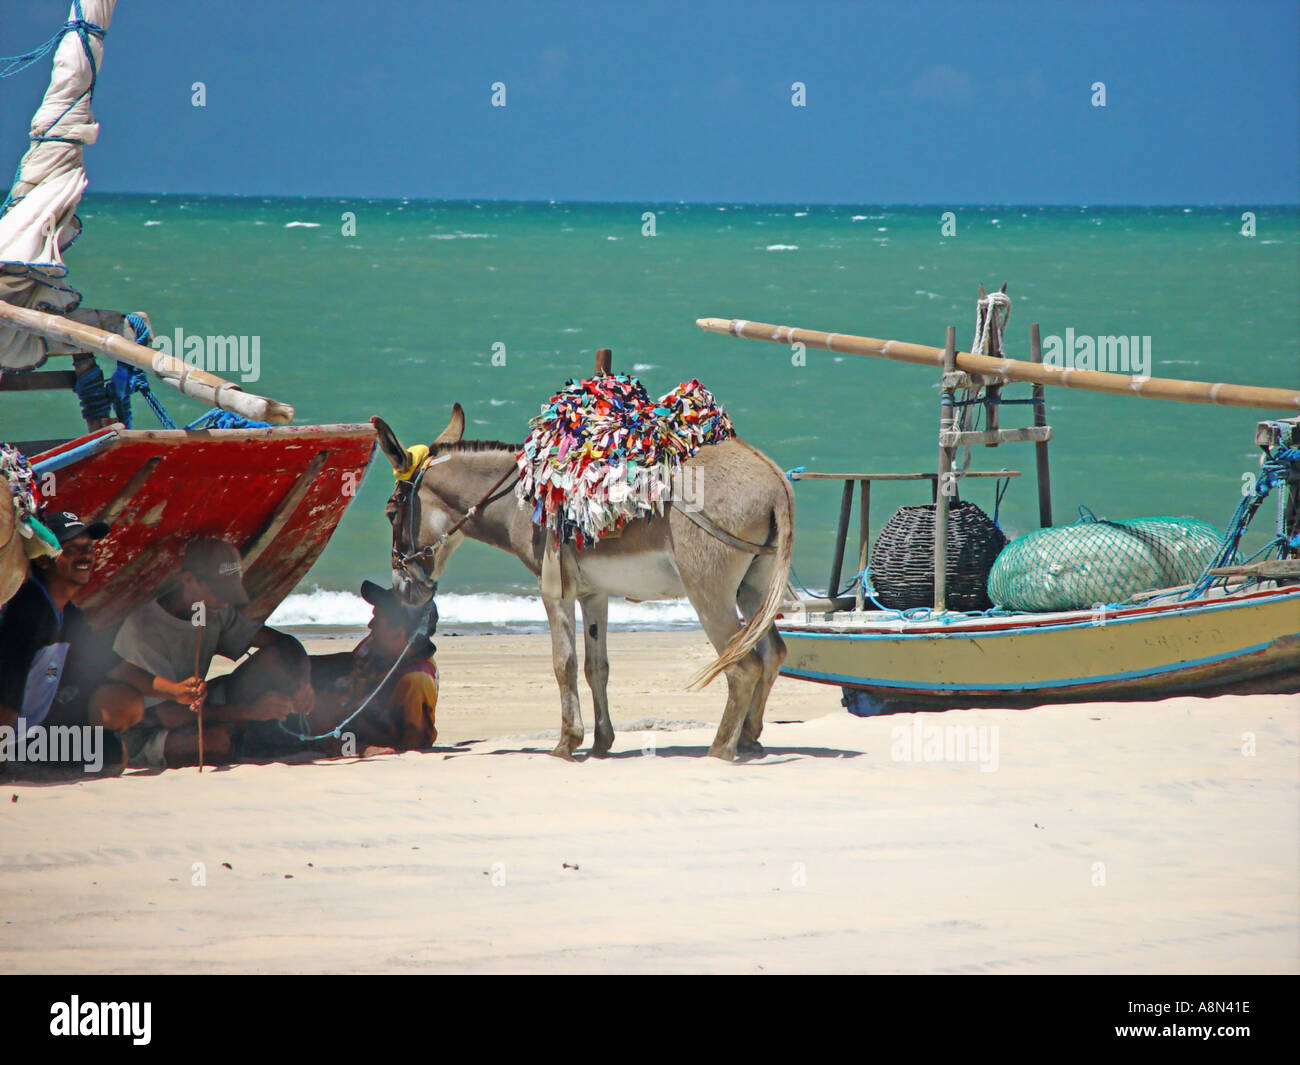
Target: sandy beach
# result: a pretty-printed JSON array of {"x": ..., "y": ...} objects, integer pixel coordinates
[{"x": 1101, "y": 839}]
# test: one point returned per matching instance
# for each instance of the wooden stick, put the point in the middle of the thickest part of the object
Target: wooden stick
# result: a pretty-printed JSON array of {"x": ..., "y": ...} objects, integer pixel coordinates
[
  {"x": 841, "y": 536},
  {"x": 198, "y": 651},
  {"x": 1040, "y": 420},
  {"x": 864, "y": 537},
  {"x": 604, "y": 361},
  {"x": 1227, "y": 395},
  {"x": 189, "y": 380},
  {"x": 944, "y": 484}
]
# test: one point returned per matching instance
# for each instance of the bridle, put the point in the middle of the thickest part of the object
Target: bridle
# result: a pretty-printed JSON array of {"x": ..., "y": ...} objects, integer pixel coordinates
[{"x": 411, "y": 496}]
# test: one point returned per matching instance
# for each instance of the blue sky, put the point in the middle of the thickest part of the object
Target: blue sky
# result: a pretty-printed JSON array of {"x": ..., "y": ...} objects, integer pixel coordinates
[{"x": 921, "y": 102}]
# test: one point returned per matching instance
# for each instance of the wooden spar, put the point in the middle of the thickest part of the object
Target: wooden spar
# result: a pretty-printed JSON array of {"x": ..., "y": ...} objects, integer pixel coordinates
[
  {"x": 864, "y": 539},
  {"x": 841, "y": 536},
  {"x": 1227, "y": 395},
  {"x": 189, "y": 380},
  {"x": 945, "y": 482},
  {"x": 1040, "y": 448}
]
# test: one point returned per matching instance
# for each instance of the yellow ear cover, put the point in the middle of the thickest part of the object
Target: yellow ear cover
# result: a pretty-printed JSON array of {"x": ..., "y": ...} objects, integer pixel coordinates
[{"x": 415, "y": 457}]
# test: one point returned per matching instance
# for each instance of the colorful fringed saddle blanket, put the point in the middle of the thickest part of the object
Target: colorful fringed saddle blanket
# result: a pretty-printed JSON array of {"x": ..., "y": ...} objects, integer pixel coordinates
[{"x": 602, "y": 453}]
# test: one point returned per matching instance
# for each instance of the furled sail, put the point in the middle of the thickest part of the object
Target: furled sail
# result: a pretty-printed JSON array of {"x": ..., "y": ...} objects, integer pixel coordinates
[{"x": 39, "y": 218}]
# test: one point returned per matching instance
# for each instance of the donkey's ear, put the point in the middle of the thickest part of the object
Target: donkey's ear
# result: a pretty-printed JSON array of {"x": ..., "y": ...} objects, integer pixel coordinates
[
  {"x": 455, "y": 428},
  {"x": 390, "y": 445}
]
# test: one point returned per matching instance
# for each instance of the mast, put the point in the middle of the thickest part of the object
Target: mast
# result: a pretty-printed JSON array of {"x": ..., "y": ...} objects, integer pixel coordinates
[{"x": 40, "y": 314}]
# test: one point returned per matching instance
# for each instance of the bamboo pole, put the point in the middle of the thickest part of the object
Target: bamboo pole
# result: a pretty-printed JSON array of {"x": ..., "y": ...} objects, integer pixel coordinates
[
  {"x": 1227, "y": 395},
  {"x": 186, "y": 379}
]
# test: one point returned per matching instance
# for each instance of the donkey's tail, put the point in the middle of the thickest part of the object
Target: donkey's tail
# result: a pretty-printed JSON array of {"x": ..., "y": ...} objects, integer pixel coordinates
[{"x": 756, "y": 627}]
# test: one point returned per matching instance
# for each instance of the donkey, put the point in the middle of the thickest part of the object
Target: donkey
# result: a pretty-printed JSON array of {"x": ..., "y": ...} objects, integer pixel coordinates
[{"x": 729, "y": 557}]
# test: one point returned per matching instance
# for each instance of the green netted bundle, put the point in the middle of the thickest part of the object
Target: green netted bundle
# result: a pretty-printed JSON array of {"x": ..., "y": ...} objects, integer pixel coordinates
[{"x": 1074, "y": 567}]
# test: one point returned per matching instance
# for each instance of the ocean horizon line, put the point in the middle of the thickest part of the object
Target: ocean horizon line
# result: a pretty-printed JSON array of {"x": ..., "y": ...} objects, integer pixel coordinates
[{"x": 731, "y": 204}]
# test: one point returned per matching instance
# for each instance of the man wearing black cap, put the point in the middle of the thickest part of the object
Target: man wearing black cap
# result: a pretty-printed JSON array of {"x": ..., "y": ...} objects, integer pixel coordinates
[
  {"x": 196, "y": 617},
  {"x": 54, "y": 668}
]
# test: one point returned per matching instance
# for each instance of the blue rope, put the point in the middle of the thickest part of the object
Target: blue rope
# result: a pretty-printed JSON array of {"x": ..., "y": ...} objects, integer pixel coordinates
[
  {"x": 337, "y": 731},
  {"x": 224, "y": 419},
  {"x": 127, "y": 379},
  {"x": 94, "y": 396}
]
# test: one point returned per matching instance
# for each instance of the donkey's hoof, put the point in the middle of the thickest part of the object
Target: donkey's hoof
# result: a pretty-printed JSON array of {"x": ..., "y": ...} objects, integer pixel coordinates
[
  {"x": 563, "y": 751},
  {"x": 748, "y": 749},
  {"x": 726, "y": 754},
  {"x": 600, "y": 750}
]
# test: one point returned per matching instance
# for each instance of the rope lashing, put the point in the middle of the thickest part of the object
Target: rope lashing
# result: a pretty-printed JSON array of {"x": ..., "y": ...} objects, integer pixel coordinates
[
  {"x": 92, "y": 391},
  {"x": 991, "y": 314},
  {"x": 224, "y": 419},
  {"x": 127, "y": 379},
  {"x": 16, "y": 64}
]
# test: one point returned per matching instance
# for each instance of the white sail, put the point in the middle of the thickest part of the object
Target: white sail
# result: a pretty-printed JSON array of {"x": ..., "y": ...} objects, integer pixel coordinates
[{"x": 41, "y": 220}]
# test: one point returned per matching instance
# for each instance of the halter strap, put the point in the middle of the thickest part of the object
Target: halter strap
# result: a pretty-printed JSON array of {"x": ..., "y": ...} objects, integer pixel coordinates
[{"x": 488, "y": 498}]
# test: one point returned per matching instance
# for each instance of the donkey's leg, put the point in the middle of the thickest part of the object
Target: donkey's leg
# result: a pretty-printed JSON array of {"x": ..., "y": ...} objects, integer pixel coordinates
[
  {"x": 771, "y": 652},
  {"x": 720, "y": 624},
  {"x": 595, "y": 658},
  {"x": 564, "y": 657}
]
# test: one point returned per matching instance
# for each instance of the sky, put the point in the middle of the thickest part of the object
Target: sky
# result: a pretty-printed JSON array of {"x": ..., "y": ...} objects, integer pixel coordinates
[{"x": 904, "y": 103}]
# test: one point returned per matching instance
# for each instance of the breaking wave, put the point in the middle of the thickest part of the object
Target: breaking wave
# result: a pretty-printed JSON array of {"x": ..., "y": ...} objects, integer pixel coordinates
[{"x": 325, "y": 610}]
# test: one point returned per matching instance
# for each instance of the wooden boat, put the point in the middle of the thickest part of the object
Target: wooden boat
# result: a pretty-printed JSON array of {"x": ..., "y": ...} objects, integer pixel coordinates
[
  {"x": 1237, "y": 630},
  {"x": 276, "y": 493},
  {"x": 1246, "y": 642},
  {"x": 275, "y": 490}
]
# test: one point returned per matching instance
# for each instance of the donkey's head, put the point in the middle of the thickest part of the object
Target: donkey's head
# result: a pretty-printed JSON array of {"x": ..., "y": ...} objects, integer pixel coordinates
[{"x": 421, "y": 518}]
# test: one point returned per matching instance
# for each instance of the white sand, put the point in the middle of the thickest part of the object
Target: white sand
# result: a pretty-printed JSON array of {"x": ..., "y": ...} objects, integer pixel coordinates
[{"x": 827, "y": 855}]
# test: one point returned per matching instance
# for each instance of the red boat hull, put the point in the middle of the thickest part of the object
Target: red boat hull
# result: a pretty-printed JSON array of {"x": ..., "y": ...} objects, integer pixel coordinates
[{"x": 275, "y": 493}]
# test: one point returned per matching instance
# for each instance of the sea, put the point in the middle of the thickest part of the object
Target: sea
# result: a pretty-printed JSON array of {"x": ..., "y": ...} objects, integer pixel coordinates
[{"x": 400, "y": 308}]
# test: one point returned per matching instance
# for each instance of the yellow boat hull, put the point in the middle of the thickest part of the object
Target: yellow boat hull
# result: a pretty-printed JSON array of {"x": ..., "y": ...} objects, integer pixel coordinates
[{"x": 1247, "y": 642}]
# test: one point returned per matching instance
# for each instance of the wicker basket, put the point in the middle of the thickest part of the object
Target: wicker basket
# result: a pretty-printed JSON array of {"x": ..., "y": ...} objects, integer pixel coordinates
[{"x": 902, "y": 562}]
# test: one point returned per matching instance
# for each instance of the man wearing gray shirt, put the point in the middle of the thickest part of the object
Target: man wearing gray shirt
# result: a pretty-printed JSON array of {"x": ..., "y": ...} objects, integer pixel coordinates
[{"x": 197, "y": 615}]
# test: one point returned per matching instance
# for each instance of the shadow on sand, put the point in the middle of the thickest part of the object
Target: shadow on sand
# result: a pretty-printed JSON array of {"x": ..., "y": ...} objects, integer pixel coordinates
[{"x": 773, "y": 755}]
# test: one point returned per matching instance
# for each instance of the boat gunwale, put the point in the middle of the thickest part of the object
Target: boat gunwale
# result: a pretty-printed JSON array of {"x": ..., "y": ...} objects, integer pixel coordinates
[{"x": 1026, "y": 622}]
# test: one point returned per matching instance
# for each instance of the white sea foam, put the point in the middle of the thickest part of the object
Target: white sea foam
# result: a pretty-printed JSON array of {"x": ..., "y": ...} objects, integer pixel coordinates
[
  {"x": 302, "y": 225},
  {"x": 782, "y": 247},
  {"x": 461, "y": 236},
  {"x": 641, "y": 367},
  {"x": 859, "y": 218},
  {"x": 321, "y": 608},
  {"x": 151, "y": 222}
]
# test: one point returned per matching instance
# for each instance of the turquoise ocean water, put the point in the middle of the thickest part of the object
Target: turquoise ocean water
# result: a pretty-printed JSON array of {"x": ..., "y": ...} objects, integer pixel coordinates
[{"x": 401, "y": 318}]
